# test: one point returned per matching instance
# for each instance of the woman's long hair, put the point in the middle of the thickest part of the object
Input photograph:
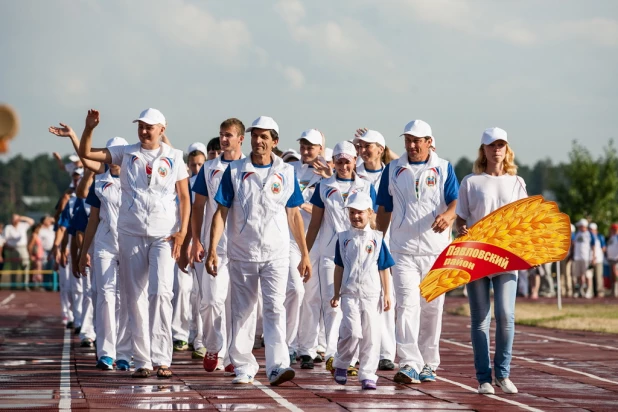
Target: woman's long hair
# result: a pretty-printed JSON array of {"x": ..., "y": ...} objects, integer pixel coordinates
[{"x": 509, "y": 166}]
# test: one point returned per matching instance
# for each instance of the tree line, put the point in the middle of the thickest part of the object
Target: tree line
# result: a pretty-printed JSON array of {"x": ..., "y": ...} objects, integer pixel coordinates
[{"x": 583, "y": 187}]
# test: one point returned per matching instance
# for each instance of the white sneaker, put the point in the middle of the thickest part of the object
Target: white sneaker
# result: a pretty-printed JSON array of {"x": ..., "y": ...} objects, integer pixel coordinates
[
  {"x": 243, "y": 378},
  {"x": 220, "y": 366},
  {"x": 506, "y": 385},
  {"x": 486, "y": 389},
  {"x": 280, "y": 375}
]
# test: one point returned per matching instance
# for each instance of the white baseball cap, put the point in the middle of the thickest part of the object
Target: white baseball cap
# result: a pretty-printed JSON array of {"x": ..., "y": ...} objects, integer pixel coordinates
[
  {"x": 328, "y": 154},
  {"x": 359, "y": 201},
  {"x": 290, "y": 153},
  {"x": 151, "y": 116},
  {"x": 433, "y": 142},
  {"x": 593, "y": 226},
  {"x": 344, "y": 150},
  {"x": 116, "y": 141},
  {"x": 417, "y": 128},
  {"x": 313, "y": 136},
  {"x": 74, "y": 158},
  {"x": 492, "y": 134},
  {"x": 582, "y": 222},
  {"x": 371, "y": 136},
  {"x": 264, "y": 122},
  {"x": 79, "y": 171},
  {"x": 200, "y": 147},
  {"x": 572, "y": 228}
]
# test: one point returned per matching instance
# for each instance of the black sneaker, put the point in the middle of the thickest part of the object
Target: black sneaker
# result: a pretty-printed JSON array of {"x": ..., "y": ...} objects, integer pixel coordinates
[
  {"x": 386, "y": 365},
  {"x": 306, "y": 362},
  {"x": 77, "y": 330},
  {"x": 70, "y": 325},
  {"x": 318, "y": 358}
]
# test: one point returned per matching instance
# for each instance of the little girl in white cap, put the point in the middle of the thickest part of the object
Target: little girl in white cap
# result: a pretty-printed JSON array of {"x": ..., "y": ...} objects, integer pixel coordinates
[{"x": 362, "y": 260}]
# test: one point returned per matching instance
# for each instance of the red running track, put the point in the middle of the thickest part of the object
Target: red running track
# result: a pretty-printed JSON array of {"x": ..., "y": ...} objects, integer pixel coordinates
[{"x": 42, "y": 367}]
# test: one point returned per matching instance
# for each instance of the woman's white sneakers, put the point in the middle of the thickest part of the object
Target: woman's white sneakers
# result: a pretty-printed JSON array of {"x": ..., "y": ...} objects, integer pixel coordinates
[
  {"x": 506, "y": 385},
  {"x": 486, "y": 389}
]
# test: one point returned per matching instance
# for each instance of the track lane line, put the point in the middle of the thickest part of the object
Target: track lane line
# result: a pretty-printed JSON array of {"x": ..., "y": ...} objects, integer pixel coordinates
[
  {"x": 509, "y": 401},
  {"x": 65, "y": 373},
  {"x": 278, "y": 398},
  {"x": 539, "y": 362},
  {"x": 594, "y": 345},
  {"x": 7, "y": 299}
]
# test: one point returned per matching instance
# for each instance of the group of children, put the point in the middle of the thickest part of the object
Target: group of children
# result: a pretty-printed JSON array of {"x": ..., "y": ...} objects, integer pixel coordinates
[{"x": 320, "y": 258}]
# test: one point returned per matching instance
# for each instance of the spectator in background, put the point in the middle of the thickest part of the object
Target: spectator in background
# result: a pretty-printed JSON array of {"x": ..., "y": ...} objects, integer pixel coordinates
[
  {"x": 612, "y": 258},
  {"x": 597, "y": 263},
  {"x": 16, "y": 246},
  {"x": 583, "y": 254},
  {"x": 213, "y": 148},
  {"x": 328, "y": 156},
  {"x": 37, "y": 254},
  {"x": 47, "y": 234}
]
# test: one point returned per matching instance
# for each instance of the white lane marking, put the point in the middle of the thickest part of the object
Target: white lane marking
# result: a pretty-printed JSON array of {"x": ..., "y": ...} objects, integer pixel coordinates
[
  {"x": 471, "y": 389},
  {"x": 551, "y": 365},
  {"x": 567, "y": 340},
  {"x": 65, "y": 374},
  {"x": 7, "y": 299},
  {"x": 278, "y": 398}
]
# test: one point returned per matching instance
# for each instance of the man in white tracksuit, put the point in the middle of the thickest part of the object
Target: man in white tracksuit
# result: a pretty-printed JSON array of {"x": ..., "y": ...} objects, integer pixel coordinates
[
  {"x": 151, "y": 229},
  {"x": 184, "y": 322},
  {"x": 298, "y": 295},
  {"x": 262, "y": 196},
  {"x": 417, "y": 198},
  {"x": 215, "y": 290}
]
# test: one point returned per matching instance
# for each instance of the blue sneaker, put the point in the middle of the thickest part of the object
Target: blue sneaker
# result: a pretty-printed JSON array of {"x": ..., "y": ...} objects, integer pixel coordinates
[
  {"x": 407, "y": 375},
  {"x": 122, "y": 365},
  {"x": 105, "y": 363},
  {"x": 427, "y": 374},
  {"x": 341, "y": 376}
]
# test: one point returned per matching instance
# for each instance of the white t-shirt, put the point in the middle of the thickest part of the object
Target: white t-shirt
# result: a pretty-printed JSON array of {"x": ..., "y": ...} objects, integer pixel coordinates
[
  {"x": 262, "y": 172},
  {"x": 582, "y": 246},
  {"x": 612, "y": 248},
  {"x": 47, "y": 235},
  {"x": 304, "y": 177},
  {"x": 16, "y": 236},
  {"x": 149, "y": 156},
  {"x": 344, "y": 187},
  {"x": 479, "y": 195}
]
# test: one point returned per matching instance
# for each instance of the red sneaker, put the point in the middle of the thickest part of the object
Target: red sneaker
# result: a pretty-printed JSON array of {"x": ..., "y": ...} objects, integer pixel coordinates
[
  {"x": 229, "y": 370},
  {"x": 210, "y": 361}
]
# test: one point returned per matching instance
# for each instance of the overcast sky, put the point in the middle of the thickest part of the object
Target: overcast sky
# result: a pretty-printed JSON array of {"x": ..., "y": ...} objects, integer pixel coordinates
[{"x": 545, "y": 71}]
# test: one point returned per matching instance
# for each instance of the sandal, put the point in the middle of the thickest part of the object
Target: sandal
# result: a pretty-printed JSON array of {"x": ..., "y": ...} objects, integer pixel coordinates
[
  {"x": 141, "y": 373},
  {"x": 164, "y": 372}
]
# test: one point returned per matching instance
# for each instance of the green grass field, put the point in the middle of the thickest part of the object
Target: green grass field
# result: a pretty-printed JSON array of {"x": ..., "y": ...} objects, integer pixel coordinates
[{"x": 594, "y": 317}]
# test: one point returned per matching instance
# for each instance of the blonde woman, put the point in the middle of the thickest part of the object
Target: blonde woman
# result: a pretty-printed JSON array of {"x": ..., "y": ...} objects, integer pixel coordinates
[{"x": 493, "y": 184}]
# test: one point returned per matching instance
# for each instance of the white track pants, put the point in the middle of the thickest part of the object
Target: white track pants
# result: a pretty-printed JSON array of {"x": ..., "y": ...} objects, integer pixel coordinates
[
  {"x": 148, "y": 264},
  {"x": 293, "y": 300},
  {"x": 359, "y": 334},
  {"x": 317, "y": 316},
  {"x": 181, "y": 304},
  {"x": 88, "y": 299},
  {"x": 107, "y": 325},
  {"x": 124, "y": 338},
  {"x": 64, "y": 284},
  {"x": 388, "y": 345},
  {"x": 418, "y": 323},
  {"x": 245, "y": 278},
  {"x": 196, "y": 326},
  {"x": 77, "y": 297},
  {"x": 215, "y": 309}
]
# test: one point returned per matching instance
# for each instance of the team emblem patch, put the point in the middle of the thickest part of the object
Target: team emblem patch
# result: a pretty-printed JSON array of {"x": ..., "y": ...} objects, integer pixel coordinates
[
  {"x": 369, "y": 248},
  {"x": 162, "y": 171},
  {"x": 276, "y": 188},
  {"x": 431, "y": 181}
]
